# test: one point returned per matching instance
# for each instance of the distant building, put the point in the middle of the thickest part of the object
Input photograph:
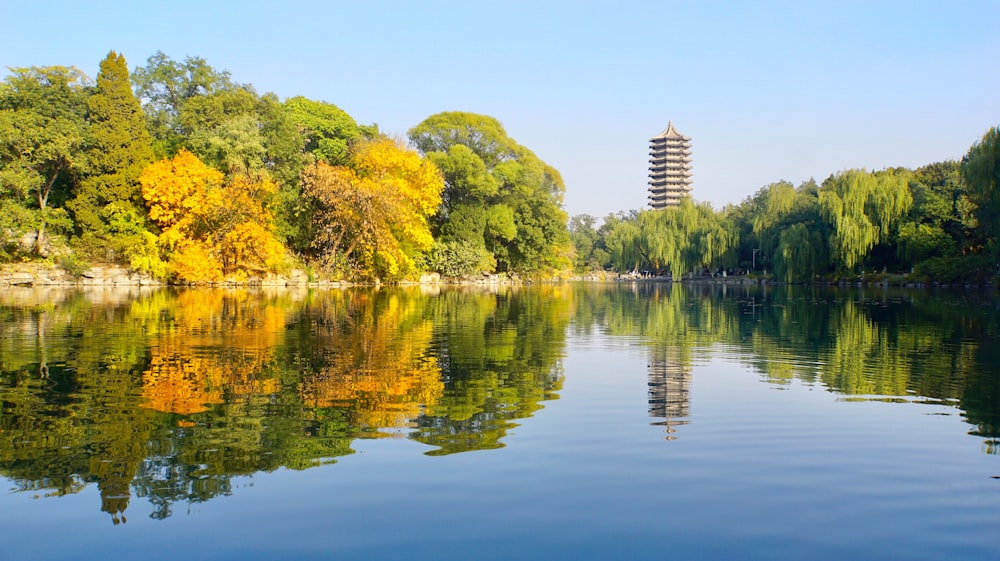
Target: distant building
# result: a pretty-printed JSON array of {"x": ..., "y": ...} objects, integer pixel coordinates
[{"x": 669, "y": 168}]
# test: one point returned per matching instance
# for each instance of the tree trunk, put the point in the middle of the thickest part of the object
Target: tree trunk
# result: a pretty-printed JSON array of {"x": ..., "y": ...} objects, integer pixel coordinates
[{"x": 43, "y": 202}]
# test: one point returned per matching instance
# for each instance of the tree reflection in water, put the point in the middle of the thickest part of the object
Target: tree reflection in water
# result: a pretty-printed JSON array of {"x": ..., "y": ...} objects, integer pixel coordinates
[{"x": 171, "y": 396}]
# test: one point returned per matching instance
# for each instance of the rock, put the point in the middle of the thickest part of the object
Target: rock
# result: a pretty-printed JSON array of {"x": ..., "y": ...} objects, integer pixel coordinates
[{"x": 19, "y": 278}]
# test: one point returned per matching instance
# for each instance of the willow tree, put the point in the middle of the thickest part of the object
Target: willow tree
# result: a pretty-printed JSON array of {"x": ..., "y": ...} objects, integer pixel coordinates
[
  {"x": 775, "y": 201},
  {"x": 861, "y": 208},
  {"x": 981, "y": 171},
  {"x": 715, "y": 239},
  {"x": 770, "y": 207},
  {"x": 800, "y": 253},
  {"x": 677, "y": 239},
  {"x": 623, "y": 245}
]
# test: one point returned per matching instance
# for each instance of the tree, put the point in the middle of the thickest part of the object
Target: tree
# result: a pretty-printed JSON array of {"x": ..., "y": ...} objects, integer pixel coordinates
[
  {"x": 164, "y": 87},
  {"x": 211, "y": 229},
  {"x": 800, "y": 253},
  {"x": 678, "y": 239},
  {"x": 108, "y": 200},
  {"x": 941, "y": 222},
  {"x": 371, "y": 218},
  {"x": 585, "y": 241},
  {"x": 229, "y": 127},
  {"x": 328, "y": 130},
  {"x": 42, "y": 134},
  {"x": 981, "y": 171},
  {"x": 498, "y": 195},
  {"x": 861, "y": 208}
]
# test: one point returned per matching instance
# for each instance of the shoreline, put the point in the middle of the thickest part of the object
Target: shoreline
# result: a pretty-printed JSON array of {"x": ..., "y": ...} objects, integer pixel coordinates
[{"x": 112, "y": 276}]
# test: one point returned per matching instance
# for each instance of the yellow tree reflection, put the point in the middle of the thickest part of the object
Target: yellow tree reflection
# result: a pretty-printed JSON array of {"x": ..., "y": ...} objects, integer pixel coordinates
[
  {"x": 216, "y": 345},
  {"x": 375, "y": 359}
]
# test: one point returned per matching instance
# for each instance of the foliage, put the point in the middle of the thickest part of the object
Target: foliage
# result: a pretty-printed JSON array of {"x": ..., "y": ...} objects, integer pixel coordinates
[
  {"x": 677, "y": 240},
  {"x": 917, "y": 242},
  {"x": 42, "y": 134},
  {"x": 164, "y": 87},
  {"x": 372, "y": 217},
  {"x": 327, "y": 129},
  {"x": 589, "y": 243},
  {"x": 108, "y": 201},
  {"x": 498, "y": 195},
  {"x": 961, "y": 269},
  {"x": 801, "y": 254},
  {"x": 211, "y": 229},
  {"x": 862, "y": 207},
  {"x": 981, "y": 171},
  {"x": 459, "y": 259}
]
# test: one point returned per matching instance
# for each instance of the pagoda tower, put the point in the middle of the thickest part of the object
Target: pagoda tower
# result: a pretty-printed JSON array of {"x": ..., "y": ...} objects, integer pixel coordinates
[{"x": 669, "y": 168}]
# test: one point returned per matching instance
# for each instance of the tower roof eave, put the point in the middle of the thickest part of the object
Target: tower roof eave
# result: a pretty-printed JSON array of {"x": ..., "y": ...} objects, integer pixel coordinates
[{"x": 670, "y": 132}]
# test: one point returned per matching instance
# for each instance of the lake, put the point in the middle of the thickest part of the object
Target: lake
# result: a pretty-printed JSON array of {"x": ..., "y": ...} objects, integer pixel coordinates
[{"x": 572, "y": 421}]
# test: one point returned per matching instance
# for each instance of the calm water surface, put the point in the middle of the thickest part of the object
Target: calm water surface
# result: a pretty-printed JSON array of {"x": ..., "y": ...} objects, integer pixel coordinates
[{"x": 574, "y": 421}]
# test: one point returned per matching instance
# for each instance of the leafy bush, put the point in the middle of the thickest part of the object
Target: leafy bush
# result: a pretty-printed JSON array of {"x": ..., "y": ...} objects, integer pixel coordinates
[
  {"x": 460, "y": 259},
  {"x": 951, "y": 270},
  {"x": 72, "y": 264}
]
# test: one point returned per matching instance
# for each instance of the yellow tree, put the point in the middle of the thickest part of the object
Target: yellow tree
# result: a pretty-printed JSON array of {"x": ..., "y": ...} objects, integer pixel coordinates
[
  {"x": 372, "y": 216},
  {"x": 210, "y": 228}
]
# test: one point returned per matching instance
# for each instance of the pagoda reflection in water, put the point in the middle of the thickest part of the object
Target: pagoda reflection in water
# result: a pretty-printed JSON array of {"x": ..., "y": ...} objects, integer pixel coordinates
[{"x": 669, "y": 389}]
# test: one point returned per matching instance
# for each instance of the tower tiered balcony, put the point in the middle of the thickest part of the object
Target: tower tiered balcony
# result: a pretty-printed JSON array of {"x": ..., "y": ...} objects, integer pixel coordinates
[{"x": 669, "y": 168}]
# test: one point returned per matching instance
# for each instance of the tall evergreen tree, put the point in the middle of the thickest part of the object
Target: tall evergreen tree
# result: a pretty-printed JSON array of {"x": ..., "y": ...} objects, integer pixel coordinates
[{"x": 108, "y": 204}]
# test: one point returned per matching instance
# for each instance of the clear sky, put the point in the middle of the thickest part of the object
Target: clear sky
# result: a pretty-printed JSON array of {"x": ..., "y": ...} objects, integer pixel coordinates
[{"x": 767, "y": 90}]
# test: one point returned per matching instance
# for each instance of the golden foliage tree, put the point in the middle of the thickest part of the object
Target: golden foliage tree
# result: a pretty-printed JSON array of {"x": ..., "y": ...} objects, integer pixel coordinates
[
  {"x": 210, "y": 228},
  {"x": 372, "y": 217}
]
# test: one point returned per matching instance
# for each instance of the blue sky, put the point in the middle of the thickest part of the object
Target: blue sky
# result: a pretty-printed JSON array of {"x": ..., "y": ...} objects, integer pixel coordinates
[{"x": 767, "y": 90}]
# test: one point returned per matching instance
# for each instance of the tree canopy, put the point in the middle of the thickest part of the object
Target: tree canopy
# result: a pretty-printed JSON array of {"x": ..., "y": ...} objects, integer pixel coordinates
[
  {"x": 42, "y": 138},
  {"x": 108, "y": 205},
  {"x": 300, "y": 179},
  {"x": 498, "y": 195}
]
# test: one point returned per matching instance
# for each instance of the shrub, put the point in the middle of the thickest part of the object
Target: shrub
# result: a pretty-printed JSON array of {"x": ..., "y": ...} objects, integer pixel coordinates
[
  {"x": 460, "y": 259},
  {"x": 955, "y": 270}
]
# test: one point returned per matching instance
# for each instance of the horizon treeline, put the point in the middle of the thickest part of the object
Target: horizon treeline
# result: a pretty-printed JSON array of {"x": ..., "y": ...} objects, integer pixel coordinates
[
  {"x": 936, "y": 223},
  {"x": 182, "y": 173}
]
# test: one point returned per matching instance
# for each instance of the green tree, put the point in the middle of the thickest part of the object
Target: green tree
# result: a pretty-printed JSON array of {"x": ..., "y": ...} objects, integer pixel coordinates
[
  {"x": 981, "y": 171},
  {"x": 861, "y": 208},
  {"x": 681, "y": 239},
  {"x": 590, "y": 254},
  {"x": 498, "y": 195},
  {"x": 108, "y": 202},
  {"x": 328, "y": 130},
  {"x": 42, "y": 133},
  {"x": 800, "y": 254},
  {"x": 164, "y": 87}
]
